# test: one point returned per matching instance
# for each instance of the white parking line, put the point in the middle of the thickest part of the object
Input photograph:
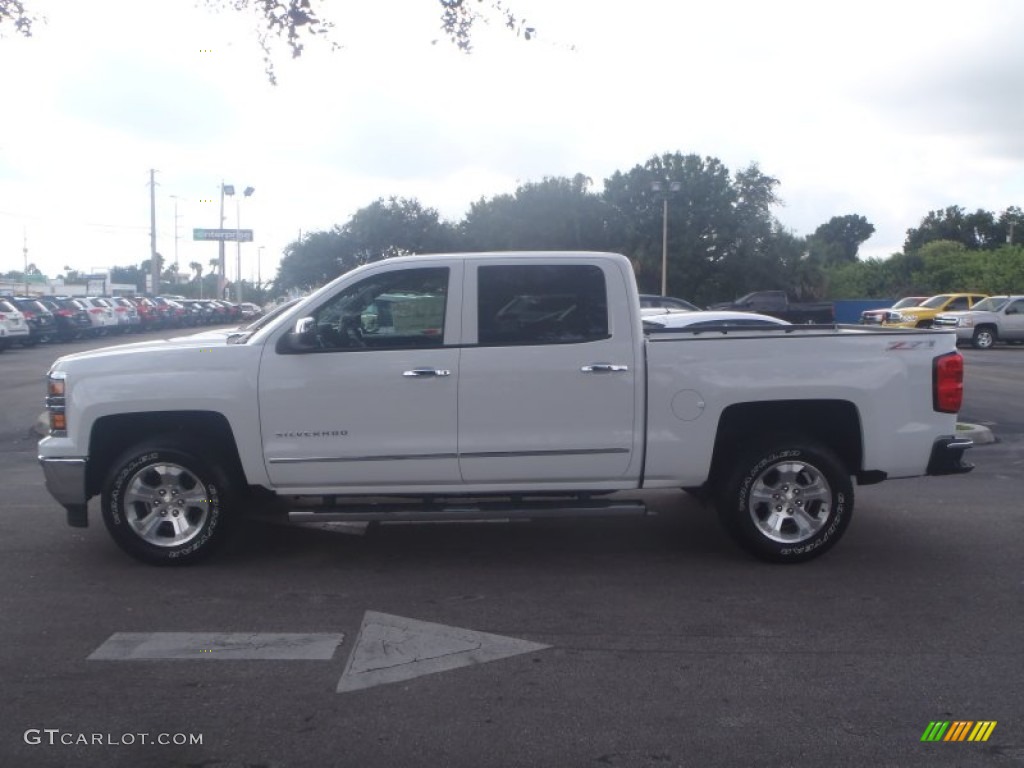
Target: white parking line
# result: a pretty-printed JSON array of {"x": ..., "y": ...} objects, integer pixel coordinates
[
  {"x": 391, "y": 649},
  {"x": 135, "y": 646}
]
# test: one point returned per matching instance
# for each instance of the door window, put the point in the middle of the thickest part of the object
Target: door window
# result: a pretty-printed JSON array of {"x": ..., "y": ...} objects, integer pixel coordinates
[
  {"x": 392, "y": 310},
  {"x": 541, "y": 304}
]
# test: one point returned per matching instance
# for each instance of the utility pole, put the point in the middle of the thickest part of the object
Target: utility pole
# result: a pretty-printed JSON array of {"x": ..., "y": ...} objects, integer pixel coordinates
[
  {"x": 24, "y": 253},
  {"x": 176, "y": 237},
  {"x": 154, "y": 266}
]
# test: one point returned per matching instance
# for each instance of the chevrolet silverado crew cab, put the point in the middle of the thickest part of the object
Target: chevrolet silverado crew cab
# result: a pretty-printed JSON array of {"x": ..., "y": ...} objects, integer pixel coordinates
[
  {"x": 495, "y": 386},
  {"x": 997, "y": 318}
]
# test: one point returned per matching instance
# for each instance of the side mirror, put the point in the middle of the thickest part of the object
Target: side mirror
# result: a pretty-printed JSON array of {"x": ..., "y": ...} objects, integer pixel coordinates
[{"x": 301, "y": 338}]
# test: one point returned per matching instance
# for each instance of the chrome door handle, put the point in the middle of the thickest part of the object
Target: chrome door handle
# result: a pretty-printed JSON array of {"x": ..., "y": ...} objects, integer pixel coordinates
[
  {"x": 427, "y": 372},
  {"x": 604, "y": 368}
]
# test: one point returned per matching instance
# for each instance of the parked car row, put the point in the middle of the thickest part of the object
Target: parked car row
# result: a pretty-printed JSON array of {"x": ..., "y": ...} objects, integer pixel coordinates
[
  {"x": 27, "y": 320},
  {"x": 977, "y": 319}
]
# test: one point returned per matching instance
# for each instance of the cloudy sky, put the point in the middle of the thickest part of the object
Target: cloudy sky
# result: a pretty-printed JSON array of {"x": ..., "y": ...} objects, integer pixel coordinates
[{"x": 883, "y": 109}]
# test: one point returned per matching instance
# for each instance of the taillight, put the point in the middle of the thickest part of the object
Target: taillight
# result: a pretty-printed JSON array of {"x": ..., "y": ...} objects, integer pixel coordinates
[
  {"x": 948, "y": 383},
  {"x": 64, "y": 312},
  {"x": 28, "y": 315},
  {"x": 96, "y": 311}
]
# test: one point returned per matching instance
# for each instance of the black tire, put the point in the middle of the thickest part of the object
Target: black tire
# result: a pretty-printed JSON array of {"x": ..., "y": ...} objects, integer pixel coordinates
[
  {"x": 985, "y": 337},
  {"x": 188, "y": 490},
  {"x": 785, "y": 472}
]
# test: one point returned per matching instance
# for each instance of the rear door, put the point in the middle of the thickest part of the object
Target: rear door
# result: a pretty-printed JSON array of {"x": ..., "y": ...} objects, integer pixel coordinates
[{"x": 549, "y": 374}]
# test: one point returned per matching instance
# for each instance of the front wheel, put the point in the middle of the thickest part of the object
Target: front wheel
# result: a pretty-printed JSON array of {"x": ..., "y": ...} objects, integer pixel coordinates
[
  {"x": 984, "y": 338},
  {"x": 788, "y": 500},
  {"x": 166, "y": 504}
]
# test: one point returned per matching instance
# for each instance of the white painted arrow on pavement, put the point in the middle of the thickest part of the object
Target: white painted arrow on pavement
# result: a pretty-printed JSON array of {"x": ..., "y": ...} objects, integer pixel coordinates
[{"x": 390, "y": 649}]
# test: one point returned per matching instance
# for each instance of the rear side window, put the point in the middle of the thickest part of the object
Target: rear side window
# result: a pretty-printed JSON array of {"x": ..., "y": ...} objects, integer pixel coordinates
[{"x": 541, "y": 304}]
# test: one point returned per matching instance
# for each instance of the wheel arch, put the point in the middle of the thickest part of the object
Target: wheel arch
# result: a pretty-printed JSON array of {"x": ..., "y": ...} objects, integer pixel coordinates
[
  {"x": 207, "y": 431},
  {"x": 990, "y": 327},
  {"x": 833, "y": 423}
]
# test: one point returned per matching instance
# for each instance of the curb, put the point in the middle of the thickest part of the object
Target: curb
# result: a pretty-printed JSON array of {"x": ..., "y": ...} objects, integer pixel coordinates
[{"x": 976, "y": 432}]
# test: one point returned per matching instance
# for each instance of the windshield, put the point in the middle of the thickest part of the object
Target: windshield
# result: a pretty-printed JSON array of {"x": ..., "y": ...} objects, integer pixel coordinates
[
  {"x": 935, "y": 302},
  {"x": 242, "y": 334},
  {"x": 910, "y": 301},
  {"x": 991, "y": 304}
]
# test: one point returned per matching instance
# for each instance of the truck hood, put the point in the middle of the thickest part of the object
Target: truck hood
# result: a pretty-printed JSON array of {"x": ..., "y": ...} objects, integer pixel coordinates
[
  {"x": 971, "y": 313},
  {"x": 145, "y": 348}
]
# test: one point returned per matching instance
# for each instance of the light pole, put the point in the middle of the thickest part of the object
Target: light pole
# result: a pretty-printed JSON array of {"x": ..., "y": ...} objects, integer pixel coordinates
[
  {"x": 666, "y": 188},
  {"x": 259, "y": 272},
  {"x": 175, "y": 198},
  {"x": 225, "y": 189},
  {"x": 229, "y": 189}
]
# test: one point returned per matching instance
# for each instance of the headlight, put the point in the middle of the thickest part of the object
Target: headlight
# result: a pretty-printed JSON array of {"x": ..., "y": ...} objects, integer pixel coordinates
[
  {"x": 56, "y": 388},
  {"x": 896, "y": 317}
]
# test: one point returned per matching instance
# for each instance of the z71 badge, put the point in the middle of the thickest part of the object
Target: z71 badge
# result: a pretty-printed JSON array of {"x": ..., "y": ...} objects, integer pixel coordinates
[{"x": 895, "y": 346}]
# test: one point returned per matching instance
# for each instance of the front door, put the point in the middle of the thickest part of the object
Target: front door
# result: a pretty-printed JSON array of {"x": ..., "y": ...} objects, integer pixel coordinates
[
  {"x": 374, "y": 402},
  {"x": 1013, "y": 321}
]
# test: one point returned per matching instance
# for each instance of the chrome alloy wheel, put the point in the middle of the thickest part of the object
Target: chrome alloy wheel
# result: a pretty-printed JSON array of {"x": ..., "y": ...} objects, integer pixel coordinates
[
  {"x": 166, "y": 505},
  {"x": 790, "y": 501}
]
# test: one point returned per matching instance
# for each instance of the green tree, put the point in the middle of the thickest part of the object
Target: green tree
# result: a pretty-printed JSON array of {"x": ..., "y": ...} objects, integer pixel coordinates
[
  {"x": 839, "y": 239},
  {"x": 312, "y": 261},
  {"x": 1010, "y": 226},
  {"x": 394, "y": 227},
  {"x": 975, "y": 231},
  {"x": 721, "y": 235},
  {"x": 385, "y": 228},
  {"x": 556, "y": 213}
]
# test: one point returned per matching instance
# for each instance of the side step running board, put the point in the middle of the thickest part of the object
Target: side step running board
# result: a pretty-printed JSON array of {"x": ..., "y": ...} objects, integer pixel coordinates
[{"x": 474, "y": 511}]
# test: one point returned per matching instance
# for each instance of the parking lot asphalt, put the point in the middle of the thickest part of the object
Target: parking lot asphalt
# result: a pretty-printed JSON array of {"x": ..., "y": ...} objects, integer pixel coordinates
[{"x": 641, "y": 642}]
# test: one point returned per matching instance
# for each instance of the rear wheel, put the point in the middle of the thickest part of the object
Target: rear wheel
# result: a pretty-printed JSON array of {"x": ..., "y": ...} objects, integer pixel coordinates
[
  {"x": 788, "y": 500},
  {"x": 984, "y": 337},
  {"x": 166, "y": 504}
]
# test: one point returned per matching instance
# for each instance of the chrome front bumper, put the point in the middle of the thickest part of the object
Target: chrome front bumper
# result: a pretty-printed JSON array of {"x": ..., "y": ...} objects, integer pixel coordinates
[{"x": 65, "y": 480}]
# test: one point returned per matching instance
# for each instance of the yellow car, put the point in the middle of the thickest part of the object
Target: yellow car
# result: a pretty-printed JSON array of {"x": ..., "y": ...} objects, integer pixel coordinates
[{"x": 922, "y": 315}]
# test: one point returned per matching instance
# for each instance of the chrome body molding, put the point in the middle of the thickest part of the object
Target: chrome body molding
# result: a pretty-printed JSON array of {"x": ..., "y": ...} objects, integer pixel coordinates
[
  {"x": 322, "y": 459},
  {"x": 417, "y": 457}
]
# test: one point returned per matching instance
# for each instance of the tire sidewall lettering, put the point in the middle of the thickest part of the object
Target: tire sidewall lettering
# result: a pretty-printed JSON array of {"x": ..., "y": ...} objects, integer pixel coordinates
[
  {"x": 118, "y": 485},
  {"x": 743, "y": 526},
  {"x": 130, "y": 540}
]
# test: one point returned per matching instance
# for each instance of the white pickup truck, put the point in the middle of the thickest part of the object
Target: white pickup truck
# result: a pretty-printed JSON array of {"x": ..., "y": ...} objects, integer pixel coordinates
[{"x": 495, "y": 386}]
